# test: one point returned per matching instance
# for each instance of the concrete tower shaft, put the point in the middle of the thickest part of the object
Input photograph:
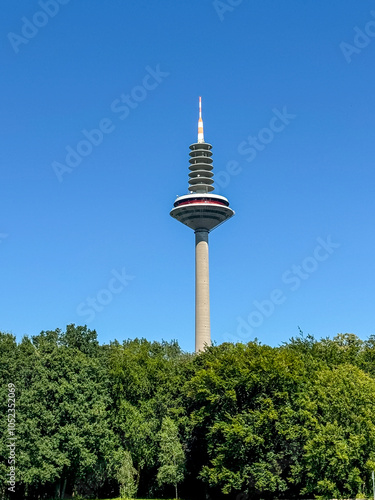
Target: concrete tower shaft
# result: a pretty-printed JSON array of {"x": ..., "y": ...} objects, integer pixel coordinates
[
  {"x": 202, "y": 211},
  {"x": 202, "y": 292}
]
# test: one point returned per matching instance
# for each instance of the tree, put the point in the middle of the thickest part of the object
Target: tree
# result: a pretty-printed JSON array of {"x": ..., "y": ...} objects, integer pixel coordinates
[
  {"x": 146, "y": 381},
  {"x": 125, "y": 473},
  {"x": 81, "y": 338},
  {"x": 245, "y": 418},
  {"x": 8, "y": 353},
  {"x": 63, "y": 427},
  {"x": 171, "y": 455},
  {"x": 338, "y": 449}
]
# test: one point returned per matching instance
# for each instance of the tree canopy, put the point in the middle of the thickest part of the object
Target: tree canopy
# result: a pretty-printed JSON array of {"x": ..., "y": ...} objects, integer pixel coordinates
[{"x": 297, "y": 420}]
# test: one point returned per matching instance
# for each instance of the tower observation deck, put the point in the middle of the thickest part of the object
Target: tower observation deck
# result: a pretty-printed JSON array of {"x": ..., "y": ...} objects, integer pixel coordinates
[{"x": 202, "y": 211}]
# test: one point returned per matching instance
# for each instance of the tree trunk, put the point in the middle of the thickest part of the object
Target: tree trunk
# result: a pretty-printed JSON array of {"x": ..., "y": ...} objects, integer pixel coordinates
[
  {"x": 63, "y": 489},
  {"x": 176, "y": 491},
  {"x": 138, "y": 477},
  {"x": 57, "y": 490}
]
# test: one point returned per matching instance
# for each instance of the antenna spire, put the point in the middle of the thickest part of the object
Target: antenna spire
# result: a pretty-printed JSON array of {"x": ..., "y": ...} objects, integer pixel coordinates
[{"x": 200, "y": 123}]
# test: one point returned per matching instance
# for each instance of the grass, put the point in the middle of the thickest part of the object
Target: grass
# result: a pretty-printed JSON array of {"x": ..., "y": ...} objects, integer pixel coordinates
[{"x": 119, "y": 498}]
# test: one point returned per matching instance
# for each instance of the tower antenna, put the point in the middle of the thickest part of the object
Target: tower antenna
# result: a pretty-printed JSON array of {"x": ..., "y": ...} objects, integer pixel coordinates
[{"x": 200, "y": 123}]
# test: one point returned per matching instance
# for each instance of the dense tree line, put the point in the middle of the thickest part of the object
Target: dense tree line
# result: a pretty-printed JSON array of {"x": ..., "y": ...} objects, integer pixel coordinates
[{"x": 145, "y": 418}]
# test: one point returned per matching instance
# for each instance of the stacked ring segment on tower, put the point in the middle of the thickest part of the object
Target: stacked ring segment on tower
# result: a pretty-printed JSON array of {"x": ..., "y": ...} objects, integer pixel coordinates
[
  {"x": 201, "y": 209},
  {"x": 201, "y": 175}
]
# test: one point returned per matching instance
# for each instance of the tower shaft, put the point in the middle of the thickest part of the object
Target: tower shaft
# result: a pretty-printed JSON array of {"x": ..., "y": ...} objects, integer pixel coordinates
[{"x": 202, "y": 291}]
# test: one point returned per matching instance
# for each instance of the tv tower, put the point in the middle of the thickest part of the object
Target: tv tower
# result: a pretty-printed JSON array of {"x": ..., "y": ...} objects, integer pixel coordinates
[{"x": 202, "y": 211}]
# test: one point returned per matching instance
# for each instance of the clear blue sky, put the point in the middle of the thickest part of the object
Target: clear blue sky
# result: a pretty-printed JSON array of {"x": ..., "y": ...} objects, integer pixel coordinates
[{"x": 136, "y": 70}]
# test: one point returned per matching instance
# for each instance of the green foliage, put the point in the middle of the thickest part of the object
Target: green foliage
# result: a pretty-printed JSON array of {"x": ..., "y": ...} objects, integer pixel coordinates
[
  {"x": 341, "y": 438},
  {"x": 125, "y": 473},
  {"x": 246, "y": 415},
  {"x": 81, "y": 338},
  {"x": 171, "y": 455},
  {"x": 295, "y": 420},
  {"x": 62, "y": 424},
  {"x": 146, "y": 383}
]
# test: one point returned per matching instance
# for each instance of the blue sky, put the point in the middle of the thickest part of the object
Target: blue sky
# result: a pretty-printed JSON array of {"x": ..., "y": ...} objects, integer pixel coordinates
[{"x": 288, "y": 105}]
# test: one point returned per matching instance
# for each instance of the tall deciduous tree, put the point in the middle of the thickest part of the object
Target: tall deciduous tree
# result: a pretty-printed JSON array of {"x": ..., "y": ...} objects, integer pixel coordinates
[
  {"x": 121, "y": 464},
  {"x": 171, "y": 455},
  {"x": 63, "y": 425},
  {"x": 146, "y": 381},
  {"x": 339, "y": 444},
  {"x": 242, "y": 405}
]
